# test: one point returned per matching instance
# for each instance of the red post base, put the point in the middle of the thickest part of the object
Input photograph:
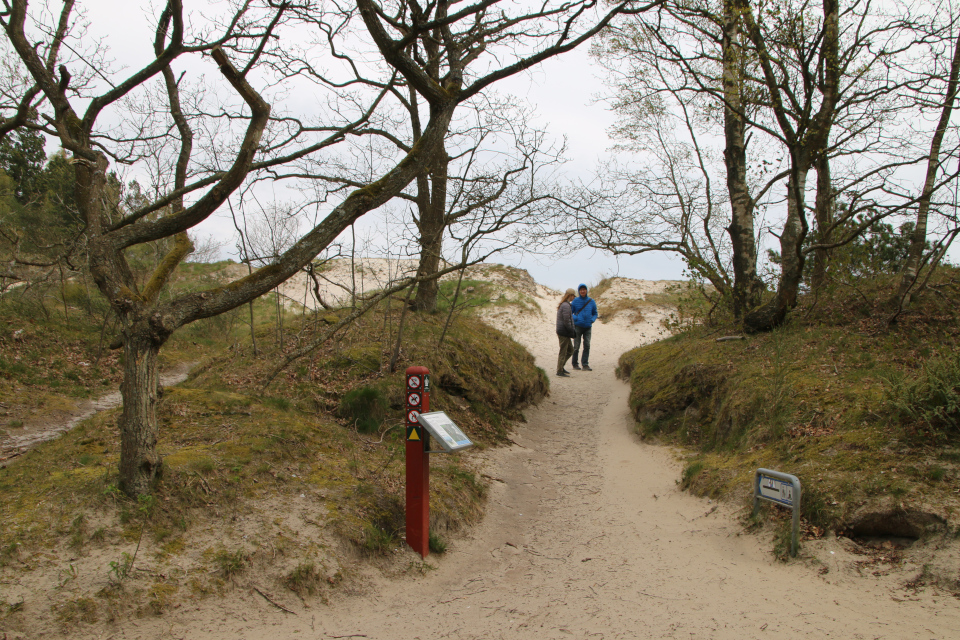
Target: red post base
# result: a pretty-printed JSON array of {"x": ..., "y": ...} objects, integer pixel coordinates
[{"x": 418, "y": 498}]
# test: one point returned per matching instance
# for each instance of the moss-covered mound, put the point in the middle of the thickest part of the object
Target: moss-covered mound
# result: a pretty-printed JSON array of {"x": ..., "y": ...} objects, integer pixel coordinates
[
  {"x": 480, "y": 377},
  {"x": 862, "y": 410},
  {"x": 278, "y": 486}
]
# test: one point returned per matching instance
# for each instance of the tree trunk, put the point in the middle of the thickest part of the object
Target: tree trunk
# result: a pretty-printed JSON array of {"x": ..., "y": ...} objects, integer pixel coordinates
[
  {"x": 140, "y": 464},
  {"x": 747, "y": 287},
  {"x": 806, "y": 137},
  {"x": 824, "y": 211},
  {"x": 396, "y": 348},
  {"x": 453, "y": 307},
  {"x": 253, "y": 326},
  {"x": 918, "y": 243},
  {"x": 772, "y": 314},
  {"x": 433, "y": 207}
]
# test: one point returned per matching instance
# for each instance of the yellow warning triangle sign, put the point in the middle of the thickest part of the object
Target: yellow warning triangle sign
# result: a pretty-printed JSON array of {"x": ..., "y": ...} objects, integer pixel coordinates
[{"x": 413, "y": 435}]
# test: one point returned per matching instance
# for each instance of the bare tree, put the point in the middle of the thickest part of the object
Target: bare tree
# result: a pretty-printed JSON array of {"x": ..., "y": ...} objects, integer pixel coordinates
[
  {"x": 918, "y": 244},
  {"x": 270, "y": 232},
  {"x": 148, "y": 320},
  {"x": 831, "y": 79},
  {"x": 435, "y": 50},
  {"x": 676, "y": 82},
  {"x": 812, "y": 86},
  {"x": 496, "y": 172},
  {"x": 465, "y": 34}
]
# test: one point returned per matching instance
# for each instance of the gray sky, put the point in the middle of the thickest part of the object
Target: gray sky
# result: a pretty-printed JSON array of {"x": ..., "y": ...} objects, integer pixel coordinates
[{"x": 564, "y": 89}]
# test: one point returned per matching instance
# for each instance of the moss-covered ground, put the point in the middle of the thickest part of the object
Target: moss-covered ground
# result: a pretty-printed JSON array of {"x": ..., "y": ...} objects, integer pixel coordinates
[
  {"x": 823, "y": 398},
  {"x": 281, "y": 479}
]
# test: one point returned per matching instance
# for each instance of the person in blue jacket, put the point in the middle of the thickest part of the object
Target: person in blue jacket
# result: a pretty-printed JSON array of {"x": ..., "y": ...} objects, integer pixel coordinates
[{"x": 584, "y": 315}]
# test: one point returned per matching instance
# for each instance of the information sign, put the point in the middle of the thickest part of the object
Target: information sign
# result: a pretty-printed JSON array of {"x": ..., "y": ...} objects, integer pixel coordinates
[
  {"x": 448, "y": 434},
  {"x": 776, "y": 490},
  {"x": 779, "y": 488}
]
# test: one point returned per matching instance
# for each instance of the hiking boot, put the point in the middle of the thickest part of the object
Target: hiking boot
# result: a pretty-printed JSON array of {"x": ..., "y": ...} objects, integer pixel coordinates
[
  {"x": 563, "y": 374},
  {"x": 576, "y": 367},
  {"x": 586, "y": 367},
  {"x": 566, "y": 372}
]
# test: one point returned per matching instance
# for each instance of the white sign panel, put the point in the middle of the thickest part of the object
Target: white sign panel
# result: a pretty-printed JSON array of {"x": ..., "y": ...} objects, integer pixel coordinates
[
  {"x": 776, "y": 490},
  {"x": 443, "y": 429}
]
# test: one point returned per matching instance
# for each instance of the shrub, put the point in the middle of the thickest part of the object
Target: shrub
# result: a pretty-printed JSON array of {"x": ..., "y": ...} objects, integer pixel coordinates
[
  {"x": 304, "y": 579},
  {"x": 931, "y": 399},
  {"x": 690, "y": 473},
  {"x": 437, "y": 544},
  {"x": 377, "y": 540},
  {"x": 230, "y": 564},
  {"x": 365, "y": 408}
]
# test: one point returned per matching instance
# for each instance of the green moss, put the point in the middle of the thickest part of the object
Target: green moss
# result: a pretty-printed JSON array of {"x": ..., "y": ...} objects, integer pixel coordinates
[
  {"x": 192, "y": 458},
  {"x": 364, "y": 408},
  {"x": 365, "y": 357},
  {"x": 812, "y": 398},
  {"x": 81, "y": 609},
  {"x": 161, "y": 596}
]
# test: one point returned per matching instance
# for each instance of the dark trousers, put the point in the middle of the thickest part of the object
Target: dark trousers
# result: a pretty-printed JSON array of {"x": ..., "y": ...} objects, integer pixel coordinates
[
  {"x": 584, "y": 334},
  {"x": 566, "y": 348}
]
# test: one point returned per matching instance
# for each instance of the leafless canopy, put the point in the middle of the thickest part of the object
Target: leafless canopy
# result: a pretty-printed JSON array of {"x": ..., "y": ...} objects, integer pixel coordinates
[{"x": 205, "y": 148}]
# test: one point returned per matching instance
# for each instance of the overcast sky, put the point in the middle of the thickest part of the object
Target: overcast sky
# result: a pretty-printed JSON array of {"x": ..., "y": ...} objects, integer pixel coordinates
[
  {"x": 562, "y": 89},
  {"x": 565, "y": 91}
]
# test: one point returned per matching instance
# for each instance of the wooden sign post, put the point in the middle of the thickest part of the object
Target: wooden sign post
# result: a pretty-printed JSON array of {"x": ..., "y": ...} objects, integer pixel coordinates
[{"x": 418, "y": 461}]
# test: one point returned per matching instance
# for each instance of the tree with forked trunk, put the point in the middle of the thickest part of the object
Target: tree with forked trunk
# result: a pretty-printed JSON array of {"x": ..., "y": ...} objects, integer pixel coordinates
[
  {"x": 793, "y": 87},
  {"x": 835, "y": 76},
  {"x": 147, "y": 319},
  {"x": 448, "y": 43}
]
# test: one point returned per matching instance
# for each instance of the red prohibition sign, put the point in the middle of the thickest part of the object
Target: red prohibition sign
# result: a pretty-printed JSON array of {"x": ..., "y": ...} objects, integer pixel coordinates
[
  {"x": 413, "y": 415},
  {"x": 414, "y": 382},
  {"x": 413, "y": 399}
]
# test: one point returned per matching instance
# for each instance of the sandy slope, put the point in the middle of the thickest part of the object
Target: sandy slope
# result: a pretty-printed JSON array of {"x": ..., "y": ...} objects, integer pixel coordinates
[
  {"x": 340, "y": 279},
  {"x": 587, "y": 536}
]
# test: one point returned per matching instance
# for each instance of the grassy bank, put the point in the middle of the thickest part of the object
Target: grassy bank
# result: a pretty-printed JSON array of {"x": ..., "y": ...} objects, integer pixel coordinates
[
  {"x": 283, "y": 487},
  {"x": 55, "y": 344},
  {"x": 863, "y": 411}
]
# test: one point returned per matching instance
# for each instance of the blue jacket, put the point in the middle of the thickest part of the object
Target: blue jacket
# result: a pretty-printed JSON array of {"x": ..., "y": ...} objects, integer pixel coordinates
[{"x": 584, "y": 310}]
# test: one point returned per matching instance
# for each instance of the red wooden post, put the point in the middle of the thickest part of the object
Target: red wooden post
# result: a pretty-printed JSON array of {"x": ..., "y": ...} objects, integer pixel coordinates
[{"x": 418, "y": 461}]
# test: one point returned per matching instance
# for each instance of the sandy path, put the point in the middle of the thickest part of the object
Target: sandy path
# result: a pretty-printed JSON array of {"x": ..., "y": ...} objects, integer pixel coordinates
[
  {"x": 34, "y": 431},
  {"x": 587, "y": 536}
]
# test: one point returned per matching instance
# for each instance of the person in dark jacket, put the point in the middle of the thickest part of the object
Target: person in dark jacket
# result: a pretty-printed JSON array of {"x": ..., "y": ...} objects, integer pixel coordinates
[
  {"x": 584, "y": 315},
  {"x": 565, "y": 331}
]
